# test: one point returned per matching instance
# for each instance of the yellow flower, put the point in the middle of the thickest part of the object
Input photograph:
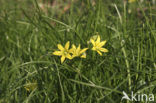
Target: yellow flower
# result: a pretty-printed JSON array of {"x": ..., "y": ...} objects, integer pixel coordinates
[
  {"x": 64, "y": 52},
  {"x": 30, "y": 86},
  {"x": 131, "y": 1},
  {"x": 78, "y": 51},
  {"x": 98, "y": 46}
]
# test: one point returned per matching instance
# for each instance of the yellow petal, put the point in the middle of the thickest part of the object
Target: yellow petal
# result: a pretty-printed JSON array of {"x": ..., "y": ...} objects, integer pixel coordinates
[
  {"x": 83, "y": 50},
  {"x": 71, "y": 50},
  {"x": 99, "y": 52},
  {"x": 68, "y": 56},
  {"x": 78, "y": 49},
  {"x": 27, "y": 89},
  {"x": 93, "y": 48},
  {"x": 67, "y": 45},
  {"x": 92, "y": 41},
  {"x": 103, "y": 50},
  {"x": 57, "y": 53},
  {"x": 60, "y": 47},
  {"x": 73, "y": 46},
  {"x": 62, "y": 59},
  {"x": 98, "y": 39},
  {"x": 102, "y": 43},
  {"x": 83, "y": 55}
]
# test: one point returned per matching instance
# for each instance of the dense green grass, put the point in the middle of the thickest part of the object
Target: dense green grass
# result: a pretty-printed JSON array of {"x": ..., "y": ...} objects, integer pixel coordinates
[{"x": 29, "y": 35}]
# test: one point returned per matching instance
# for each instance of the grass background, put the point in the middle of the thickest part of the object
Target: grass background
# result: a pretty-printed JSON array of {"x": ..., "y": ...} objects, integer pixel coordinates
[{"x": 30, "y": 31}]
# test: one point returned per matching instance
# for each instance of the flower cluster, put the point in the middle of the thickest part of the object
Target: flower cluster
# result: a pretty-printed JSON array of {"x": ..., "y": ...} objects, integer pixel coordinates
[{"x": 70, "y": 53}]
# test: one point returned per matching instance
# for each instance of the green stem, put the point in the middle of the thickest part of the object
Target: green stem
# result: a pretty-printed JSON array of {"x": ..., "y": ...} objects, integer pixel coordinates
[
  {"x": 93, "y": 55},
  {"x": 128, "y": 67}
]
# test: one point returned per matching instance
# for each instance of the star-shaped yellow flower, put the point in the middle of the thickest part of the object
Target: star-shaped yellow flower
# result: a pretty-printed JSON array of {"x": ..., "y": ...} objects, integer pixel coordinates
[
  {"x": 98, "y": 46},
  {"x": 64, "y": 52},
  {"x": 78, "y": 51}
]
